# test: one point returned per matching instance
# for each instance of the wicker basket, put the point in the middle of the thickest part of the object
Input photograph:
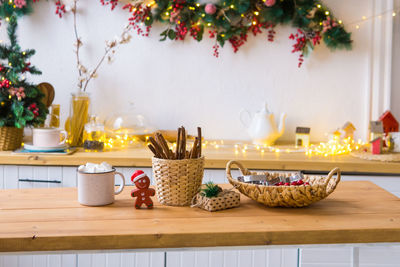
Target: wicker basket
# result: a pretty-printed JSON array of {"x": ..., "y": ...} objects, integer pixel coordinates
[
  {"x": 226, "y": 199},
  {"x": 177, "y": 181},
  {"x": 285, "y": 196},
  {"x": 10, "y": 138}
]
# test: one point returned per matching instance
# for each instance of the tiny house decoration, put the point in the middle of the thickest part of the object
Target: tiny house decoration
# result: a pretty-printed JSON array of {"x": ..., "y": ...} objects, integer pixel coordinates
[
  {"x": 142, "y": 192},
  {"x": 213, "y": 198},
  {"x": 376, "y": 129},
  {"x": 302, "y": 136},
  {"x": 335, "y": 135},
  {"x": 390, "y": 124},
  {"x": 376, "y": 145},
  {"x": 20, "y": 100},
  {"x": 233, "y": 20},
  {"x": 348, "y": 130}
]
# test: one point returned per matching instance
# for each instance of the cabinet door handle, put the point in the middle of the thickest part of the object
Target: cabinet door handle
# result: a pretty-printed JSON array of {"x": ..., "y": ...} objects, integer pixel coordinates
[{"x": 40, "y": 181}]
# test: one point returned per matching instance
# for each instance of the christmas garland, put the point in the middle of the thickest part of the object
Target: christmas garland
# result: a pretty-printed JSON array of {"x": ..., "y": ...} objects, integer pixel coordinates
[
  {"x": 20, "y": 101},
  {"x": 233, "y": 20}
]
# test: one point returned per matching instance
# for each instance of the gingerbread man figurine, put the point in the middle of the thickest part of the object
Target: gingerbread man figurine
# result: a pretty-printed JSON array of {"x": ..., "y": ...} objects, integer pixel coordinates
[{"x": 142, "y": 192}]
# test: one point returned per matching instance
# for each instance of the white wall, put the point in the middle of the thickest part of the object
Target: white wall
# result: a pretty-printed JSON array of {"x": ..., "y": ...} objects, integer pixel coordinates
[
  {"x": 396, "y": 64},
  {"x": 181, "y": 83}
]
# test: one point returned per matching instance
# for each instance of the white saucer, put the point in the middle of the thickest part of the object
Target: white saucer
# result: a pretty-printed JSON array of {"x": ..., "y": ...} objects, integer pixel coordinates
[{"x": 31, "y": 147}]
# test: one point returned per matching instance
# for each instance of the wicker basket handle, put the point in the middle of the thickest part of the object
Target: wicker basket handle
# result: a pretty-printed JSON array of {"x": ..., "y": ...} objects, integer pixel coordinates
[
  {"x": 242, "y": 169},
  {"x": 332, "y": 186}
]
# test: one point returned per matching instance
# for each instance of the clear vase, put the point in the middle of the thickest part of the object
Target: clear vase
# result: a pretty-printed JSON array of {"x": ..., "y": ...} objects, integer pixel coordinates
[{"x": 78, "y": 117}]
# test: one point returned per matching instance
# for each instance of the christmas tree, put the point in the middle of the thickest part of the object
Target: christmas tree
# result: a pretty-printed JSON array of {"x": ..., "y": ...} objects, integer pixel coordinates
[{"x": 20, "y": 100}]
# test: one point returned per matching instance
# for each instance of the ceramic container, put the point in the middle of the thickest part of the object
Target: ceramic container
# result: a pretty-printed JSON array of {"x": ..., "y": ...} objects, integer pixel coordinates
[
  {"x": 98, "y": 189},
  {"x": 49, "y": 137}
]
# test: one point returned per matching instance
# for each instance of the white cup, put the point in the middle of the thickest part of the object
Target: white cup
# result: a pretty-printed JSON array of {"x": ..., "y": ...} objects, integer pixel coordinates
[
  {"x": 49, "y": 137},
  {"x": 98, "y": 189}
]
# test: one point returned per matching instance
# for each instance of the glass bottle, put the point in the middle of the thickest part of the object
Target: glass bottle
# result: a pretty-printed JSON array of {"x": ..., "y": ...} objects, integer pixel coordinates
[
  {"x": 94, "y": 135},
  {"x": 55, "y": 116}
]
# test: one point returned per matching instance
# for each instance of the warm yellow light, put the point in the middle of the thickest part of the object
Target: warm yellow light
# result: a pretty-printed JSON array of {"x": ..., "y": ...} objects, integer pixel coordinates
[
  {"x": 203, "y": 15},
  {"x": 327, "y": 12},
  {"x": 232, "y": 6},
  {"x": 192, "y": 8},
  {"x": 319, "y": 6},
  {"x": 7, "y": 19},
  {"x": 166, "y": 13},
  {"x": 394, "y": 14},
  {"x": 254, "y": 22},
  {"x": 340, "y": 22},
  {"x": 197, "y": 4},
  {"x": 277, "y": 150},
  {"x": 208, "y": 24},
  {"x": 256, "y": 13},
  {"x": 357, "y": 27},
  {"x": 364, "y": 17}
]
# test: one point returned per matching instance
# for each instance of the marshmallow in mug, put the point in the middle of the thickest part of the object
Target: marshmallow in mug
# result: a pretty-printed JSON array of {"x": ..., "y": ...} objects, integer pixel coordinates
[{"x": 95, "y": 168}]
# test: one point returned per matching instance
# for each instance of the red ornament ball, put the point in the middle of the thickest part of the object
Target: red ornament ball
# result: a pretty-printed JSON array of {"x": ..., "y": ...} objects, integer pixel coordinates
[
  {"x": 270, "y": 3},
  {"x": 210, "y": 9}
]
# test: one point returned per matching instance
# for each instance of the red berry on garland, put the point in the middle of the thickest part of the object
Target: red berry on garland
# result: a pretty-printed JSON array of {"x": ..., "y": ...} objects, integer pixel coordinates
[
  {"x": 210, "y": 9},
  {"x": 287, "y": 184},
  {"x": 270, "y": 3}
]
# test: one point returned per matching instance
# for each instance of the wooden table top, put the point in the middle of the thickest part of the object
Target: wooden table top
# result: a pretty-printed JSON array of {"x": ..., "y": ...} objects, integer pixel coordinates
[
  {"x": 51, "y": 219},
  {"x": 215, "y": 159}
]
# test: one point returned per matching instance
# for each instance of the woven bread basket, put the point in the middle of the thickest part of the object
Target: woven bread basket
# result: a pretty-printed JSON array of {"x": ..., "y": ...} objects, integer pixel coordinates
[
  {"x": 285, "y": 196},
  {"x": 177, "y": 181},
  {"x": 10, "y": 138}
]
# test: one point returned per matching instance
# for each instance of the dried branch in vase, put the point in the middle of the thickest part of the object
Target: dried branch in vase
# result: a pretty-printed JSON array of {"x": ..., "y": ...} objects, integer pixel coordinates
[
  {"x": 158, "y": 145},
  {"x": 85, "y": 74}
]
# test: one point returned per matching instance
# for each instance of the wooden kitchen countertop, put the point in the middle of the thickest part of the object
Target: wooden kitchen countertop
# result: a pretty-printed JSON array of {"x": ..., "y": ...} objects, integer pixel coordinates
[
  {"x": 215, "y": 159},
  {"x": 51, "y": 219}
]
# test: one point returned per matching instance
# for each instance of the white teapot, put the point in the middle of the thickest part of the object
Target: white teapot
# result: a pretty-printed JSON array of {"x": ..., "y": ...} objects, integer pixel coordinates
[{"x": 262, "y": 127}]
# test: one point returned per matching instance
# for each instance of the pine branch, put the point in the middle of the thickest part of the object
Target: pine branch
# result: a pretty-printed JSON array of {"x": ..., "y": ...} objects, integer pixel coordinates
[{"x": 11, "y": 30}]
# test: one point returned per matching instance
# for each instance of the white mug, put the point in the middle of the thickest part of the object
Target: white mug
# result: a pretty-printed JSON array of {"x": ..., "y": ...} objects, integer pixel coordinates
[
  {"x": 48, "y": 137},
  {"x": 98, "y": 189}
]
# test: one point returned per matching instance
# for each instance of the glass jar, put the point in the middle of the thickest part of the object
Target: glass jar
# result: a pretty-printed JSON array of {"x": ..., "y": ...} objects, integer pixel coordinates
[
  {"x": 127, "y": 129},
  {"x": 78, "y": 117},
  {"x": 94, "y": 135}
]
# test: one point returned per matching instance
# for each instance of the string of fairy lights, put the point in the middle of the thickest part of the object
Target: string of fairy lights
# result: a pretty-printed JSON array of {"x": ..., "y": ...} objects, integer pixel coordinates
[
  {"x": 335, "y": 146},
  {"x": 357, "y": 23}
]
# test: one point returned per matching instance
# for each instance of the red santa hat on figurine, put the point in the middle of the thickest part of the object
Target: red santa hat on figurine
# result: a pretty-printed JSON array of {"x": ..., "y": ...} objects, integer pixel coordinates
[{"x": 137, "y": 175}]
